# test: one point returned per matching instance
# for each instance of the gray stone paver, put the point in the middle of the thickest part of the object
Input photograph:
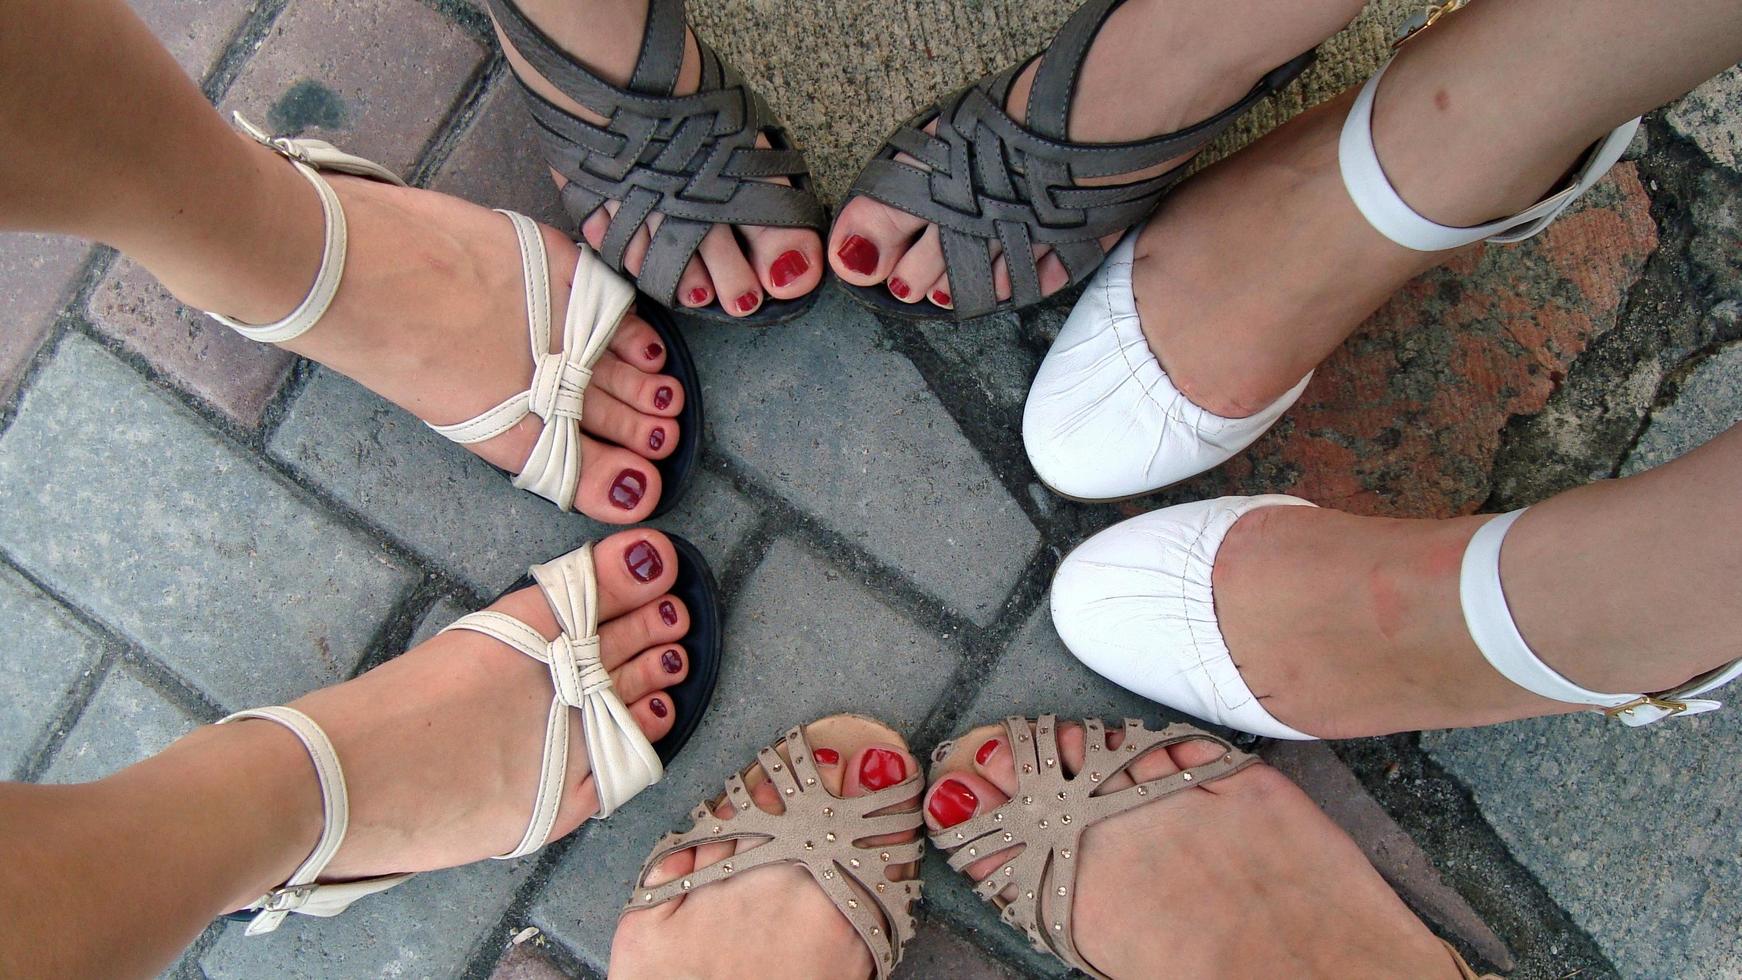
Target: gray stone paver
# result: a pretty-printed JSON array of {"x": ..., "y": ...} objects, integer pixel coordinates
[
  {"x": 1711, "y": 116},
  {"x": 434, "y": 621},
  {"x": 848, "y": 431},
  {"x": 803, "y": 640},
  {"x": 428, "y": 927},
  {"x": 126, "y": 721},
  {"x": 36, "y": 273},
  {"x": 124, "y": 501},
  {"x": 1038, "y": 674},
  {"x": 45, "y": 653},
  {"x": 1709, "y": 402}
]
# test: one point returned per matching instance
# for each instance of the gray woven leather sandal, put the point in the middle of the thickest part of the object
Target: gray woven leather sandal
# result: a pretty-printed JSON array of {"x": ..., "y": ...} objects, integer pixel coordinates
[
  {"x": 1051, "y": 810},
  {"x": 692, "y": 159},
  {"x": 993, "y": 179},
  {"x": 817, "y": 831}
]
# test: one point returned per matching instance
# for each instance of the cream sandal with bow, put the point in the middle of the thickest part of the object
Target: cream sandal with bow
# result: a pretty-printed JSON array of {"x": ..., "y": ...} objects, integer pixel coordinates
[
  {"x": 818, "y": 831},
  {"x": 597, "y": 303},
  {"x": 622, "y": 761}
]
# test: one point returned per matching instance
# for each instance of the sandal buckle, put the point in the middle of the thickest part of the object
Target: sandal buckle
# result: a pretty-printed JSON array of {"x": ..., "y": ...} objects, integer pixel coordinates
[
  {"x": 1425, "y": 18},
  {"x": 285, "y": 899},
  {"x": 1670, "y": 705}
]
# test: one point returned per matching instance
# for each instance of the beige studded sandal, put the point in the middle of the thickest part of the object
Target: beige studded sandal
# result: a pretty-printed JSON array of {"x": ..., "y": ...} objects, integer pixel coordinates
[
  {"x": 873, "y": 885},
  {"x": 1051, "y": 810}
]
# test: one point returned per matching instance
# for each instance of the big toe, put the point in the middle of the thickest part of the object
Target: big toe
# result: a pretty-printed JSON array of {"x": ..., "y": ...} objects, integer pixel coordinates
[
  {"x": 617, "y": 486},
  {"x": 868, "y": 239}
]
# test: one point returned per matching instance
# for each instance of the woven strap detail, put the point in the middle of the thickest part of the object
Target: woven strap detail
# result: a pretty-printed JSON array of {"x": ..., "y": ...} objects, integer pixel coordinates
[
  {"x": 988, "y": 178},
  {"x": 1050, "y": 811},
  {"x": 692, "y": 159},
  {"x": 818, "y": 831},
  {"x": 597, "y": 302},
  {"x": 621, "y": 759}
]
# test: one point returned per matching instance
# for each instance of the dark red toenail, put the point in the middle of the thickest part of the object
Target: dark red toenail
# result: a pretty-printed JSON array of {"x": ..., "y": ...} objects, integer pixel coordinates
[
  {"x": 788, "y": 267},
  {"x": 668, "y": 613},
  {"x": 643, "y": 561},
  {"x": 986, "y": 751},
  {"x": 859, "y": 255},
  {"x": 655, "y": 439},
  {"x": 662, "y": 398},
  {"x": 658, "y": 708},
  {"x": 827, "y": 757},
  {"x": 628, "y": 489},
  {"x": 940, "y": 297},
  {"x": 747, "y": 302},
  {"x": 671, "y": 661},
  {"x": 653, "y": 351},
  {"x": 899, "y": 287},
  {"x": 880, "y": 767},
  {"x": 951, "y": 803},
  {"x": 698, "y": 296}
]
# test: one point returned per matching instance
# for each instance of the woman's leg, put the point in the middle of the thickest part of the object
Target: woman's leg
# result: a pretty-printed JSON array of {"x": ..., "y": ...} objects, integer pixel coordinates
[
  {"x": 107, "y": 139},
  {"x": 440, "y": 749}
]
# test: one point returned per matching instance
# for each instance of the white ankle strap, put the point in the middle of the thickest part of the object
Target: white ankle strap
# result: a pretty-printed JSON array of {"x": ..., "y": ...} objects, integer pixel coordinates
[
  {"x": 598, "y": 301},
  {"x": 309, "y": 157},
  {"x": 1392, "y": 217},
  {"x": 1492, "y": 627},
  {"x": 299, "y": 893},
  {"x": 622, "y": 761}
]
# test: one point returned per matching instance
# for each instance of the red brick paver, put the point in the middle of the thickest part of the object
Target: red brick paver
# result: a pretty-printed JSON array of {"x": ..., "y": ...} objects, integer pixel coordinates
[
  {"x": 36, "y": 274},
  {"x": 497, "y": 161},
  {"x": 195, "y": 33}
]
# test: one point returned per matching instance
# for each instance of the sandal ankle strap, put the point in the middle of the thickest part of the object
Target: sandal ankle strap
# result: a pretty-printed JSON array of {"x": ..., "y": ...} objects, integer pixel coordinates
[
  {"x": 623, "y": 762},
  {"x": 300, "y": 893},
  {"x": 1489, "y": 619},
  {"x": 1388, "y": 213},
  {"x": 309, "y": 157},
  {"x": 598, "y": 301}
]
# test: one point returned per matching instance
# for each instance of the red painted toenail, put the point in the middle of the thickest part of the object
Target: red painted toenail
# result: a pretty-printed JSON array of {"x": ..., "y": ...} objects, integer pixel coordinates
[
  {"x": 668, "y": 613},
  {"x": 653, "y": 351},
  {"x": 788, "y": 267},
  {"x": 899, "y": 287},
  {"x": 643, "y": 561},
  {"x": 827, "y": 757},
  {"x": 859, "y": 255},
  {"x": 880, "y": 767},
  {"x": 940, "y": 297},
  {"x": 628, "y": 489},
  {"x": 658, "y": 708},
  {"x": 671, "y": 661},
  {"x": 662, "y": 398},
  {"x": 747, "y": 302},
  {"x": 986, "y": 751},
  {"x": 656, "y": 439},
  {"x": 698, "y": 296},
  {"x": 951, "y": 803}
]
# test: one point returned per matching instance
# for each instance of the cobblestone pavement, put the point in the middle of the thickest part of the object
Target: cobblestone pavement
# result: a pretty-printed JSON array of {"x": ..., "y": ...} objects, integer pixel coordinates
[{"x": 179, "y": 507}]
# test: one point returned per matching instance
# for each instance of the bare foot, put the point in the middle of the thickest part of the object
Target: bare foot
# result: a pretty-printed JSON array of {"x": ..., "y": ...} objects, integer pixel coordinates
[
  {"x": 723, "y": 930},
  {"x": 1275, "y": 888}
]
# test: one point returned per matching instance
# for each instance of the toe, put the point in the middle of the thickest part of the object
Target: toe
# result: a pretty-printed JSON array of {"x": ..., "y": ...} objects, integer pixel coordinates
[
  {"x": 654, "y": 715},
  {"x": 873, "y": 768},
  {"x": 594, "y": 228},
  {"x": 650, "y": 671},
  {"x": 868, "y": 239},
  {"x": 662, "y": 622},
  {"x": 653, "y": 394},
  {"x": 919, "y": 267},
  {"x": 938, "y": 293},
  {"x": 994, "y": 760},
  {"x": 617, "y": 486},
  {"x": 634, "y": 568},
  {"x": 648, "y": 436},
  {"x": 1052, "y": 272},
  {"x": 788, "y": 261},
  {"x": 736, "y": 284},
  {"x": 637, "y": 345},
  {"x": 694, "y": 288}
]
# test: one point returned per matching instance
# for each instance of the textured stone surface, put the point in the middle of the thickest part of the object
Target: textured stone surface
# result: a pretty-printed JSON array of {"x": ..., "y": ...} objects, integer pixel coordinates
[
  {"x": 125, "y": 722},
  {"x": 36, "y": 277},
  {"x": 1711, "y": 116},
  {"x": 936, "y": 952},
  {"x": 431, "y": 926},
  {"x": 803, "y": 641},
  {"x": 127, "y": 504},
  {"x": 849, "y": 432},
  {"x": 46, "y": 652},
  {"x": 439, "y": 616},
  {"x": 1631, "y": 829},
  {"x": 374, "y": 77},
  {"x": 525, "y": 962},
  {"x": 195, "y": 33},
  {"x": 1405, "y": 418},
  {"x": 713, "y": 517},
  {"x": 1717, "y": 246},
  {"x": 496, "y": 162},
  {"x": 1037, "y": 675},
  {"x": 234, "y": 374},
  {"x": 1709, "y": 401}
]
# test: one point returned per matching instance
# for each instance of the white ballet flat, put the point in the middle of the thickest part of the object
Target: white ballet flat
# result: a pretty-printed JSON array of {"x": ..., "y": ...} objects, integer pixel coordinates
[
  {"x": 1134, "y": 603},
  {"x": 1104, "y": 421}
]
